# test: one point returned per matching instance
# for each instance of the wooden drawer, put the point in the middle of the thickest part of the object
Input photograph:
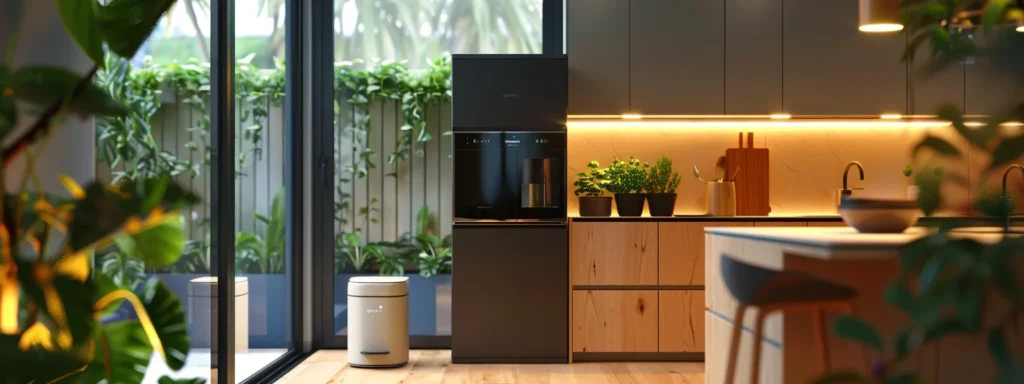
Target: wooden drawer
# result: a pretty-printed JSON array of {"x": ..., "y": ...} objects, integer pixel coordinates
[
  {"x": 681, "y": 251},
  {"x": 614, "y": 253},
  {"x": 780, "y": 224},
  {"x": 681, "y": 321},
  {"x": 615, "y": 321},
  {"x": 826, "y": 224}
]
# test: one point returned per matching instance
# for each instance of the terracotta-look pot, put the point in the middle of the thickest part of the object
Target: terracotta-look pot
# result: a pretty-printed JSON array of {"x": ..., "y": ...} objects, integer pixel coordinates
[
  {"x": 595, "y": 206},
  {"x": 630, "y": 204},
  {"x": 661, "y": 204}
]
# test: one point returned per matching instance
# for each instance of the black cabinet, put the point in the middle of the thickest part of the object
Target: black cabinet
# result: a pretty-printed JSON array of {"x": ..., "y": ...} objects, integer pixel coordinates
[
  {"x": 831, "y": 68},
  {"x": 933, "y": 88},
  {"x": 753, "y": 57},
  {"x": 597, "y": 42},
  {"x": 677, "y": 57},
  {"x": 995, "y": 83}
]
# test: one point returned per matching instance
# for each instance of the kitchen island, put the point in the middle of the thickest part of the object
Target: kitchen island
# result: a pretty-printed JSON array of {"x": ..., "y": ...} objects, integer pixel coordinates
[{"x": 868, "y": 263}]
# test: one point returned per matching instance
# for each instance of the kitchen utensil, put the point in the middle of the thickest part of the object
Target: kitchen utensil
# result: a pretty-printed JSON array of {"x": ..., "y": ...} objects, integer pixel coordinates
[
  {"x": 720, "y": 172},
  {"x": 752, "y": 178},
  {"x": 734, "y": 173},
  {"x": 721, "y": 199},
  {"x": 696, "y": 174},
  {"x": 879, "y": 216}
]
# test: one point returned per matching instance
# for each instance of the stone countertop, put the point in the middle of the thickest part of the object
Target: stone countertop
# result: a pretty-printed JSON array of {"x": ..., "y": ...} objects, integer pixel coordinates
[{"x": 834, "y": 243}]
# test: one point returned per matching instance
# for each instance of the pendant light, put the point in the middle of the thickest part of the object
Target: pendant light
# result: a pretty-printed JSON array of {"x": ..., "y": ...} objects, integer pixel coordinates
[{"x": 880, "y": 16}]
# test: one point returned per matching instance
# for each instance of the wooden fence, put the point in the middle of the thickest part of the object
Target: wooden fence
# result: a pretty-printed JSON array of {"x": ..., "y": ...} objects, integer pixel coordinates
[{"x": 400, "y": 189}]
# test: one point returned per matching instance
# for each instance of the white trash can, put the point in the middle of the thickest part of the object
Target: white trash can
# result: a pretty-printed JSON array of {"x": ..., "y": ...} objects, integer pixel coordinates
[
  {"x": 378, "y": 321},
  {"x": 202, "y": 309}
]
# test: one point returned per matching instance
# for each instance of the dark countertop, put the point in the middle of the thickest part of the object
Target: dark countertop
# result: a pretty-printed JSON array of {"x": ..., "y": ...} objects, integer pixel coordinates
[{"x": 924, "y": 221}]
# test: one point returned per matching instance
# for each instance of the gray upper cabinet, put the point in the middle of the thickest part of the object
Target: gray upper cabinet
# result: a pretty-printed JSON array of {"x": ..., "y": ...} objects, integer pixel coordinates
[
  {"x": 994, "y": 84},
  {"x": 934, "y": 88},
  {"x": 677, "y": 56},
  {"x": 597, "y": 42},
  {"x": 753, "y": 57},
  {"x": 831, "y": 68}
]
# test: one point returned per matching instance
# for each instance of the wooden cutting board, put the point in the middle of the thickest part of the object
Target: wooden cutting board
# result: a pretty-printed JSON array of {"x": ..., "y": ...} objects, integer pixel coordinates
[{"x": 752, "y": 179}]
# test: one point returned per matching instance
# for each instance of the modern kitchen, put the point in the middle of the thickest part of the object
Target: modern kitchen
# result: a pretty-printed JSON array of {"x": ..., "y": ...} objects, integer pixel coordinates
[{"x": 770, "y": 188}]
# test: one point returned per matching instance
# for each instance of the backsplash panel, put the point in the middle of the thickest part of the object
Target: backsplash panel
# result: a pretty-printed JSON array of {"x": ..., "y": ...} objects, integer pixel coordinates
[{"x": 805, "y": 164}]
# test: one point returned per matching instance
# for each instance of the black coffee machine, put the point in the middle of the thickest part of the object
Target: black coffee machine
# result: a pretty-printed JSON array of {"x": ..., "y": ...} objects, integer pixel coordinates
[{"x": 510, "y": 232}]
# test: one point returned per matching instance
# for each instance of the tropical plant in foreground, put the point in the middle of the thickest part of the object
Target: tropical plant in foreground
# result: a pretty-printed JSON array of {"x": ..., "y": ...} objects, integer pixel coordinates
[
  {"x": 949, "y": 285},
  {"x": 52, "y": 305}
]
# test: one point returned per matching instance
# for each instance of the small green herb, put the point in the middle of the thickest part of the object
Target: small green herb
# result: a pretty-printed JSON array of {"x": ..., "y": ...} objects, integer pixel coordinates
[
  {"x": 908, "y": 171},
  {"x": 661, "y": 178},
  {"x": 627, "y": 176},
  {"x": 591, "y": 183}
]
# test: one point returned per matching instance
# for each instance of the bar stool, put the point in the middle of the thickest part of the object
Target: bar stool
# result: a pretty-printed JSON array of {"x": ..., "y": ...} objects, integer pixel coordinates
[{"x": 771, "y": 291}]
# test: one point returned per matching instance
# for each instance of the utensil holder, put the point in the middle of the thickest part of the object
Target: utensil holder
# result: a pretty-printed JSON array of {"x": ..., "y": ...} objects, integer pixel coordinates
[{"x": 721, "y": 198}]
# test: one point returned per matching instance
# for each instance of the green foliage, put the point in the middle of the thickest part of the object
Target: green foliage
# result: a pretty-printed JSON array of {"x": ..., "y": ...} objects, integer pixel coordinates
[
  {"x": 908, "y": 170},
  {"x": 124, "y": 270},
  {"x": 46, "y": 85},
  {"x": 627, "y": 176},
  {"x": 591, "y": 183},
  {"x": 352, "y": 255},
  {"x": 661, "y": 178},
  {"x": 255, "y": 254}
]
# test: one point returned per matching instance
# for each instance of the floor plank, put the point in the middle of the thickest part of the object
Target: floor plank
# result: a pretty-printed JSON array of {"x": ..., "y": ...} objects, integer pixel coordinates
[{"x": 434, "y": 367}]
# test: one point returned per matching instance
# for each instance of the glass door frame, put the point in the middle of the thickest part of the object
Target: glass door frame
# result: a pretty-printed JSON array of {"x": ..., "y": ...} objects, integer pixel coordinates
[
  {"x": 322, "y": 183},
  {"x": 222, "y": 99}
]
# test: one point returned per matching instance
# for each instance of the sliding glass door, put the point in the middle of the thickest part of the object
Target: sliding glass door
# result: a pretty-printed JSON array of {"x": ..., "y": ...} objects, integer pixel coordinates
[{"x": 215, "y": 104}]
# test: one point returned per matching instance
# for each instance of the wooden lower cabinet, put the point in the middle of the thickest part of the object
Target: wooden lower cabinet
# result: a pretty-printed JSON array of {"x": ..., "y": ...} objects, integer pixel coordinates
[
  {"x": 718, "y": 339},
  {"x": 615, "y": 321},
  {"x": 612, "y": 253},
  {"x": 681, "y": 251},
  {"x": 681, "y": 321}
]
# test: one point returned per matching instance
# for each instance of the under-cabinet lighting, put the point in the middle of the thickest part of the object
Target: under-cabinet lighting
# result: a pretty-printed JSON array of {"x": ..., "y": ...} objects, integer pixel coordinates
[
  {"x": 879, "y": 28},
  {"x": 632, "y": 116},
  {"x": 780, "y": 116},
  {"x": 891, "y": 116},
  {"x": 1020, "y": 28},
  {"x": 611, "y": 124}
]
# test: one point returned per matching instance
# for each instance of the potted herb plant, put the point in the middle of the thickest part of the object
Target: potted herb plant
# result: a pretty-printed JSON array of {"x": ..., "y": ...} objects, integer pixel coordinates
[
  {"x": 661, "y": 188},
  {"x": 589, "y": 187},
  {"x": 626, "y": 179}
]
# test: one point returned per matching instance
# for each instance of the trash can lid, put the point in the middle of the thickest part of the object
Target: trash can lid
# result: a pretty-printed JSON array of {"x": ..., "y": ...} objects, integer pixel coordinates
[
  {"x": 207, "y": 286},
  {"x": 378, "y": 286}
]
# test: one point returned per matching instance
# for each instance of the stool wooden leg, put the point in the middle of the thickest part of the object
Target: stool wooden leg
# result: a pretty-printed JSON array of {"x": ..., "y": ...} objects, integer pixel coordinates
[
  {"x": 821, "y": 336},
  {"x": 755, "y": 363},
  {"x": 734, "y": 343}
]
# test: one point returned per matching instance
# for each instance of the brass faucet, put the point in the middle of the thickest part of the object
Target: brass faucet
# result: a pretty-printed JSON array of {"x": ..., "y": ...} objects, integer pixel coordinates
[
  {"x": 1006, "y": 174},
  {"x": 846, "y": 191}
]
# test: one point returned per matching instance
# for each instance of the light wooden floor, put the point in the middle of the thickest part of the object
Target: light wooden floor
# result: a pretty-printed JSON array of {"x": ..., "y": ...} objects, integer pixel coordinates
[{"x": 434, "y": 366}]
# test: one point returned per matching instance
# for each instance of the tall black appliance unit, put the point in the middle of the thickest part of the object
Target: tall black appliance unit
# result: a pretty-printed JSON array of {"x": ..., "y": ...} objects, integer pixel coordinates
[{"x": 509, "y": 285}]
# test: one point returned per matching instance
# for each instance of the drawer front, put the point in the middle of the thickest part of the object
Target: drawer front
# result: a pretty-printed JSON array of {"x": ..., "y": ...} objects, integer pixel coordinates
[
  {"x": 614, "y": 253},
  {"x": 681, "y": 251},
  {"x": 681, "y": 321},
  {"x": 615, "y": 321}
]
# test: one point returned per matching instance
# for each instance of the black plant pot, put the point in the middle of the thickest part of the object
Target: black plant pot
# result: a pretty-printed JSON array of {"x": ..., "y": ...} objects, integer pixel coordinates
[
  {"x": 630, "y": 204},
  {"x": 595, "y": 206},
  {"x": 661, "y": 204}
]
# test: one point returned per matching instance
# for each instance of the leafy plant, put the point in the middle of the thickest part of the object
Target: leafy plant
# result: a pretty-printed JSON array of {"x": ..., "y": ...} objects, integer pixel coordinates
[
  {"x": 124, "y": 270},
  {"x": 591, "y": 183},
  {"x": 627, "y": 176},
  {"x": 944, "y": 279},
  {"x": 661, "y": 178},
  {"x": 435, "y": 254},
  {"x": 50, "y": 301},
  {"x": 263, "y": 255},
  {"x": 908, "y": 171},
  {"x": 352, "y": 253}
]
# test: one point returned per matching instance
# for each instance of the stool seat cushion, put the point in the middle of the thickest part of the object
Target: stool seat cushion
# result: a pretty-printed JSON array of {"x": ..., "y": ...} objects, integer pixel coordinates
[{"x": 753, "y": 285}]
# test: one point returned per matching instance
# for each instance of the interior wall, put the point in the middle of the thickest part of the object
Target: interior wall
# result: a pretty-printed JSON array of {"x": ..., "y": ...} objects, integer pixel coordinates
[{"x": 805, "y": 164}]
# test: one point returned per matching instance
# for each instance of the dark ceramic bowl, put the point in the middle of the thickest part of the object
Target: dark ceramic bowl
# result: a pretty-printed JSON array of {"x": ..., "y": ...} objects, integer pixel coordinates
[{"x": 879, "y": 216}]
